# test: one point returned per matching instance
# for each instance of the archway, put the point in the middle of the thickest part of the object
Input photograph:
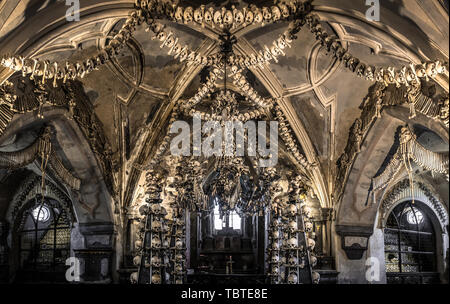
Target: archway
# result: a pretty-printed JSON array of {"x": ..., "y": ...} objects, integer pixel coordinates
[
  {"x": 410, "y": 241},
  {"x": 41, "y": 240}
]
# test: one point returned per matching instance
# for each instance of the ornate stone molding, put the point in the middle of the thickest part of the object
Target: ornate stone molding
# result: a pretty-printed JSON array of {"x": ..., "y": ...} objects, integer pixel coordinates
[
  {"x": 402, "y": 191},
  {"x": 29, "y": 189}
]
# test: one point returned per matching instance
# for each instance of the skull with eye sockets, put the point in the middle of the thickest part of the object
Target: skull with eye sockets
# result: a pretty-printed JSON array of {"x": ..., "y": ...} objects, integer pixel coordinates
[
  {"x": 156, "y": 242},
  {"x": 228, "y": 18},
  {"x": 217, "y": 19},
  {"x": 208, "y": 16},
  {"x": 156, "y": 261},
  {"x": 292, "y": 278},
  {"x": 292, "y": 226},
  {"x": 267, "y": 14},
  {"x": 156, "y": 278},
  {"x": 292, "y": 261},
  {"x": 275, "y": 234},
  {"x": 188, "y": 14},
  {"x": 156, "y": 226},
  {"x": 275, "y": 270},
  {"x": 238, "y": 17},
  {"x": 198, "y": 15},
  {"x": 275, "y": 246},
  {"x": 275, "y": 258},
  {"x": 315, "y": 277},
  {"x": 292, "y": 210},
  {"x": 292, "y": 243}
]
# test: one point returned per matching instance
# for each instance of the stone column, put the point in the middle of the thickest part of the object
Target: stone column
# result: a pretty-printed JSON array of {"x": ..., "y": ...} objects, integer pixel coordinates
[
  {"x": 327, "y": 217},
  {"x": 4, "y": 265}
]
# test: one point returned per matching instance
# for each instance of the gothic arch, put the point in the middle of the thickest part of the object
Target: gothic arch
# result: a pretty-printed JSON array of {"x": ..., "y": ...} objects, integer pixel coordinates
[{"x": 95, "y": 201}]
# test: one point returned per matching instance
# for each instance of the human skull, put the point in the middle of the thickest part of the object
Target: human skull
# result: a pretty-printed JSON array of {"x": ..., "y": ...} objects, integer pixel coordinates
[
  {"x": 258, "y": 16},
  {"x": 179, "y": 257},
  {"x": 208, "y": 17},
  {"x": 275, "y": 270},
  {"x": 292, "y": 278},
  {"x": 275, "y": 258},
  {"x": 156, "y": 261},
  {"x": 275, "y": 246},
  {"x": 284, "y": 10},
  {"x": 156, "y": 242},
  {"x": 156, "y": 226},
  {"x": 315, "y": 277},
  {"x": 137, "y": 260},
  {"x": 292, "y": 210},
  {"x": 276, "y": 13},
  {"x": 178, "y": 243},
  {"x": 198, "y": 15},
  {"x": 138, "y": 245},
  {"x": 313, "y": 261},
  {"x": 249, "y": 17},
  {"x": 134, "y": 278},
  {"x": 188, "y": 14},
  {"x": 228, "y": 18},
  {"x": 293, "y": 225},
  {"x": 275, "y": 234},
  {"x": 308, "y": 226},
  {"x": 311, "y": 244},
  {"x": 306, "y": 211},
  {"x": 179, "y": 14},
  {"x": 217, "y": 18},
  {"x": 267, "y": 14},
  {"x": 292, "y": 261},
  {"x": 292, "y": 243},
  {"x": 156, "y": 208},
  {"x": 156, "y": 278},
  {"x": 238, "y": 17}
]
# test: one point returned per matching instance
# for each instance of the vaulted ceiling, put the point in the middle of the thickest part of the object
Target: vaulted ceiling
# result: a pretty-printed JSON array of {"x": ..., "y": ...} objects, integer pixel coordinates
[{"x": 133, "y": 95}]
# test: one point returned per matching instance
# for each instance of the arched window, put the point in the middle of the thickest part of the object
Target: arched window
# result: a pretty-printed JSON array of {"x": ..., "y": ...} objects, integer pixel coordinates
[
  {"x": 43, "y": 238},
  {"x": 410, "y": 245}
]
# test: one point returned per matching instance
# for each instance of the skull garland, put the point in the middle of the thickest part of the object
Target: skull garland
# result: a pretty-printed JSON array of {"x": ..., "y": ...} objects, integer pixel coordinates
[{"x": 231, "y": 18}]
